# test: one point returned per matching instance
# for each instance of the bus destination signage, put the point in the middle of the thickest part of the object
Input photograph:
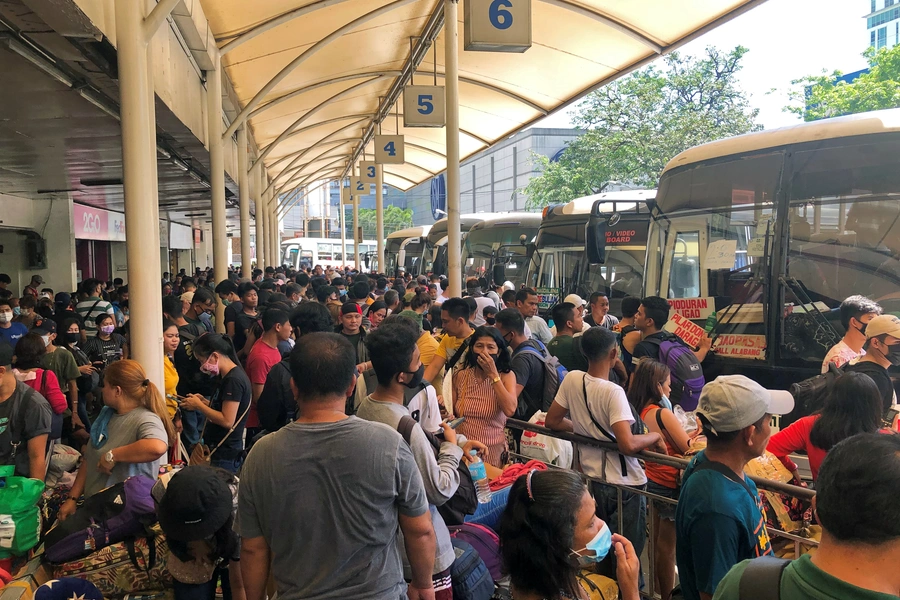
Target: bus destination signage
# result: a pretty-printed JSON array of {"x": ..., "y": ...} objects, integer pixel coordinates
[{"x": 692, "y": 308}]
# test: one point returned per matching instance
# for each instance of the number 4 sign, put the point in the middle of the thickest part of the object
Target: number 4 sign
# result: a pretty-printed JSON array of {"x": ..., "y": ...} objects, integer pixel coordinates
[
  {"x": 498, "y": 25},
  {"x": 389, "y": 150},
  {"x": 423, "y": 106}
]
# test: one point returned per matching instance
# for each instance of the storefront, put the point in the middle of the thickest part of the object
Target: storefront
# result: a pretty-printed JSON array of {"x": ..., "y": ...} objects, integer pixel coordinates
[{"x": 99, "y": 243}]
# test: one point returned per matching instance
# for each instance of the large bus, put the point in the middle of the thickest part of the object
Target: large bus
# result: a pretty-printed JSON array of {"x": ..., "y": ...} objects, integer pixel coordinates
[
  {"x": 434, "y": 253},
  {"x": 496, "y": 248},
  {"x": 304, "y": 252},
  {"x": 403, "y": 250},
  {"x": 770, "y": 231},
  {"x": 564, "y": 259}
]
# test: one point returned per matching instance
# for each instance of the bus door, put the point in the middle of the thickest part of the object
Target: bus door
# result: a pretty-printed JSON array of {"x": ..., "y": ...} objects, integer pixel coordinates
[{"x": 685, "y": 256}]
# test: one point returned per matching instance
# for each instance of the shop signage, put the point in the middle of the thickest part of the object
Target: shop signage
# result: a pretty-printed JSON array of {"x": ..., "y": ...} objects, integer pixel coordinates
[
  {"x": 98, "y": 224},
  {"x": 692, "y": 308}
]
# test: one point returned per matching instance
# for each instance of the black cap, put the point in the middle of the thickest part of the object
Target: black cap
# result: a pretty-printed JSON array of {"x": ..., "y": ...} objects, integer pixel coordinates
[
  {"x": 6, "y": 354},
  {"x": 197, "y": 504},
  {"x": 46, "y": 326}
]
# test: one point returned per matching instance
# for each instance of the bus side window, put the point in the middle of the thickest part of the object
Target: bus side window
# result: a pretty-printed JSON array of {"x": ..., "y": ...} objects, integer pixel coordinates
[{"x": 684, "y": 279}]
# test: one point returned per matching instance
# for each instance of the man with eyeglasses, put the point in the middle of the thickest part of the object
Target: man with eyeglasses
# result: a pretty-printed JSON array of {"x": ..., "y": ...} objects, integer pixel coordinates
[{"x": 202, "y": 304}]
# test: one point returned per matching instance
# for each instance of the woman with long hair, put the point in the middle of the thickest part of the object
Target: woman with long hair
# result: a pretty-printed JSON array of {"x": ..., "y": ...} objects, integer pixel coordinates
[
  {"x": 649, "y": 394},
  {"x": 29, "y": 351},
  {"x": 854, "y": 405},
  {"x": 130, "y": 437},
  {"x": 171, "y": 341},
  {"x": 226, "y": 411},
  {"x": 550, "y": 531},
  {"x": 484, "y": 392}
]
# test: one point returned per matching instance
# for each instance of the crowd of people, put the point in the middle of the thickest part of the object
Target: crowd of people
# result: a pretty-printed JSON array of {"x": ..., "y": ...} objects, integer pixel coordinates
[{"x": 324, "y": 408}]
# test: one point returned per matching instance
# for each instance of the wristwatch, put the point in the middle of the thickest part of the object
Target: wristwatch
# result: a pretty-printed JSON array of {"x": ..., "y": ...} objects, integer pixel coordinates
[
  {"x": 109, "y": 458},
  {"x": 495, "y": 380}
]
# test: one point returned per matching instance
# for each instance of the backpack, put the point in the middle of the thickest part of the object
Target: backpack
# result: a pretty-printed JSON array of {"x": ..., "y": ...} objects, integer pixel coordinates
[
  {"x": 637, "y": 426},
  {"x": 809, "y": 394},
  {"x": 554, "y": 373},
  {"x": 687, "y": 374},
  {"x": 761, "y": 579},
  {"x": 113, "y": 515},
  {"x": 485, "y": 542},
  {"x": 465, "y": 499},
  {"x": 470, "y": 577}
]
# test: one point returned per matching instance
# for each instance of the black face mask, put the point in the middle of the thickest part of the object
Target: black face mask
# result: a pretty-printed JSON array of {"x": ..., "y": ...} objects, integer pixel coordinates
[
  {"x": 73, "y": 338},
  {"x": 862, "y": 329},
  {"x": 418, "y": 375},
  {"x": 893, "y": 354},
  {"x": 490, "y": 320}
]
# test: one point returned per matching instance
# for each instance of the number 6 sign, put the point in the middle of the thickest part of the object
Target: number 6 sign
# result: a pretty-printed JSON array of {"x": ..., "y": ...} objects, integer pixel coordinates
[
  {"x": 423, "y": 106},
  {"x": 498, "y": 25},
  {"x": 389, "y": 150}
]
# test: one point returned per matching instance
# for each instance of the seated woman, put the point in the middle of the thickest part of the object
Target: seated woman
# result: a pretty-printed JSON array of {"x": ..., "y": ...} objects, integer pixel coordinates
[
  {"x": 853, "y": 406},
  {"x": 484, "y": 392},
  {"x": 130, "y": 437},
  {"x": 549, "y": 531}
]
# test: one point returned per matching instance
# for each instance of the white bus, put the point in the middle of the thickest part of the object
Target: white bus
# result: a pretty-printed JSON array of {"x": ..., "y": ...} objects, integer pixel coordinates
[
  {"x": 403, "y": 250},
  {"x": 304, "y": 252},
  {"x": 770, "y": 231}
]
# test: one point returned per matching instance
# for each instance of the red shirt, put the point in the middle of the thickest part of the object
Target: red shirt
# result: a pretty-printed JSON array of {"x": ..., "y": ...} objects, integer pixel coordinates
[
  {"x": 260, "y": 361},
  {"x": 50, "y": 391}
]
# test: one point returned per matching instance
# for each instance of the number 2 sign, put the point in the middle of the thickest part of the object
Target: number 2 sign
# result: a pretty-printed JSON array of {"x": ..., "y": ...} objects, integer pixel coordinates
[
  {"x": 498, "y": 25},
  {"x": 423, "y": 106},
  {"x": 389, "y": 150},
  {"x": 358, "y": 187}
]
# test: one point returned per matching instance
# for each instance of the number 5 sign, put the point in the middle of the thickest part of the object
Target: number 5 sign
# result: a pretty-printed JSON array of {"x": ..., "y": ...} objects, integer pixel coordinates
[
  {"x": 389, "y": 150},
  {"x": 498, "y": 25},
  {"x": 423, "y": 106}
]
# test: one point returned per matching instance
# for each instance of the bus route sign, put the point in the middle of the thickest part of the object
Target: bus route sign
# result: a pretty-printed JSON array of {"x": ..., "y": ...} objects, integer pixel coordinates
[{"x": 547, "y": 297}]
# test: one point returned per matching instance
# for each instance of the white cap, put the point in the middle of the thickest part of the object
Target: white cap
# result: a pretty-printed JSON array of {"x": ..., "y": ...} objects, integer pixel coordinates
[
  {"x": 575, "y": 299},
  {"x": 733, "y": 402},
  {"x": 187, "y": 297}
]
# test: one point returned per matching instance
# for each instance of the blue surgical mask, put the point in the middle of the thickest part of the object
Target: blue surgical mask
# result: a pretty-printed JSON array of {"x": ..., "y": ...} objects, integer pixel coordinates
[
  {"x": 17, "y": 311},
  {"x": 600, "y": 546},
  {"x": 343, "y": 293},
  {"x": 665, "y": 402}
]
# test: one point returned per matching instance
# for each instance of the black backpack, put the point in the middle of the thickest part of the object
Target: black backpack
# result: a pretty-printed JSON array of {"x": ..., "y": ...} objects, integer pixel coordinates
[
  {"x": 761, "y": 579},
  {"x": 809, "y": 394},
  {"x": 465, "y": 500}
]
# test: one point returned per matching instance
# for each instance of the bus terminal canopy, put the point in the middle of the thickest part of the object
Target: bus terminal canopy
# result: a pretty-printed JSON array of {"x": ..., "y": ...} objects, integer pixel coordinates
[{"x": 316, "y": 77}]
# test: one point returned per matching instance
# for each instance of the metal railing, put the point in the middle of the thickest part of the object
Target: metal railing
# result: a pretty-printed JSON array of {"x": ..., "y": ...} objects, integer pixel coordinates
[{"x": 670, "y": 461}]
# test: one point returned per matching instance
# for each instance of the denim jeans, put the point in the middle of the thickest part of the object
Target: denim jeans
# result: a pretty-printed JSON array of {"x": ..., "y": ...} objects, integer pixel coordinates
[
  {"x": 232, "y": 465},
  {"x": 204, "y": 591},
  {"x": 634, "y": 520},
  {"x": 192, "y": 424}
]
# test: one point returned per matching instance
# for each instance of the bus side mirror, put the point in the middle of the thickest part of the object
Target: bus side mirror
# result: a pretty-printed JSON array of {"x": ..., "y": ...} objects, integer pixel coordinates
[
  {"x": 366, "y": 260},
  {"x": 499, "y": 274},
  {"x": 595, "y": 243}
]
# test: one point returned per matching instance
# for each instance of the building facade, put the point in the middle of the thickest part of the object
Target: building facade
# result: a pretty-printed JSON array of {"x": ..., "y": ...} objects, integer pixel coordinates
[{"x": 883, "y": 23}]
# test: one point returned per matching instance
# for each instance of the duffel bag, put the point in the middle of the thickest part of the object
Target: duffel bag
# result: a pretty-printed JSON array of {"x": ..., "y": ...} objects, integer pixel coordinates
[
  {"x": 469, "y": 575},
  {"x": 110, "y": 516},
  {"x": 131, "y": 566},
  {"x": 20, "y": 516}
]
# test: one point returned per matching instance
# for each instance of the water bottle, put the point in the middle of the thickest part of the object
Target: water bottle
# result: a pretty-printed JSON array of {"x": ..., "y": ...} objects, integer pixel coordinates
[{"x": 479, "y": 476}]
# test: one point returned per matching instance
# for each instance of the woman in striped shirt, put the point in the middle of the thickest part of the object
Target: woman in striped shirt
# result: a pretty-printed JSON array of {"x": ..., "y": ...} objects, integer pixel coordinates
[{"x": 484, "y": 392}]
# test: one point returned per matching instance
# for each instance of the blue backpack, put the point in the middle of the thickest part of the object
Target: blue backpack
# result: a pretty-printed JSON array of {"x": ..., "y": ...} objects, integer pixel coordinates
[
  {"x": 554, "y": 373},
  {"x": 687, "y": 374}
]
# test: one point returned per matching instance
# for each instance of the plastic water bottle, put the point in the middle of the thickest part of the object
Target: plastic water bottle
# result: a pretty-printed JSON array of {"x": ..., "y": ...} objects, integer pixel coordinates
[{"x": 479, "y": 476}]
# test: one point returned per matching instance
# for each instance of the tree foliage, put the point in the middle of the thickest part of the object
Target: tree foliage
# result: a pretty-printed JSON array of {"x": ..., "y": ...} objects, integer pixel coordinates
[
  {"x": 635, "y": 125},
  {"x": 395, "y": 218},
  {"x": 823, "y": 96}
]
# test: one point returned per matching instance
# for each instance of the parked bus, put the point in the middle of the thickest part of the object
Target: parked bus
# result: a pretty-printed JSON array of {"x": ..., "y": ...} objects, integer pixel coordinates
[
  {"x": 496, "y": 247},
  {"x": 434, "y": 253},
  {"x": 403, "y": 250},
  {"x": 770, "y": 231},
  {"x": 560, "y": 263},
  {"x": 304, "y": 252}
]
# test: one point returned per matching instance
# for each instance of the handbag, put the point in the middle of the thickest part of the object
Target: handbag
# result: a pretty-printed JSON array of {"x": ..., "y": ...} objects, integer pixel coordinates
[{"x": 201, "y": 455}]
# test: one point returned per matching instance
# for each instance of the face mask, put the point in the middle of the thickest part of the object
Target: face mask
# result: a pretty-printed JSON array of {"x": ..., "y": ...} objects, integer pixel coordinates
[
  {"x": 73, "y": 338},
  {"x": 490, "y": 320},
  {"x": 665, "y": 402},
  {"x": 107, "y": 329},
  {"x": 211, "y": 369},
  {"x": 6, "y": 316},
  {"x": 417, "y": 377},
  {"x": 226, "y": 302},
  {"x": 46, "y": 339},
  {"x": 862, "y": 329},
  {"x": 600, "y": 546},
  {"x": 17, "y": 311},
  {"x": 343, "y": 293},
  {"x": 893, "y": 354}
]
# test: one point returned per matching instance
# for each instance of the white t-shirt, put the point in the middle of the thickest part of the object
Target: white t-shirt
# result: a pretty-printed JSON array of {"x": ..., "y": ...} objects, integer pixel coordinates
[
  {"x": 608, "y": 405},
  {"x": 424, "y": 408},
  {"x": 841, "y": 354},
  {"x": 481, "y": 301},
  {"x": 539, "y": 329}
]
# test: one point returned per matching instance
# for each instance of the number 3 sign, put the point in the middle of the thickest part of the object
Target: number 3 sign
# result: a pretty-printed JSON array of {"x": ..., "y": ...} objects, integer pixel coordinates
[
  {"x": 423, "y": 106},
  {"x": 389, "y": 150},
  {"x": 498, "y": 25}
]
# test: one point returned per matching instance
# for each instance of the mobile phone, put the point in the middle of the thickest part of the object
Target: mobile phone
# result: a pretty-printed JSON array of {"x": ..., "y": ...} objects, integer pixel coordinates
[
  {"x": 176, "y": 399},
  {"x": 456, "y": 422}
]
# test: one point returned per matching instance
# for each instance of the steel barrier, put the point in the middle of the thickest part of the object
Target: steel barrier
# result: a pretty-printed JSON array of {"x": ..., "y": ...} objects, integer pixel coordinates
[{"x": 671, "y": 461}]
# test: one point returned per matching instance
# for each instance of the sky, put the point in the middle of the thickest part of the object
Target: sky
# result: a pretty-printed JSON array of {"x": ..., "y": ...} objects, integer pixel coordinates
[{"x": 787, "y": 39}]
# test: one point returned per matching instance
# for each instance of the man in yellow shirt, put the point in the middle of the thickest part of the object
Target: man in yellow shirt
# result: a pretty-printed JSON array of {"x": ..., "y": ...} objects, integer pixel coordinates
[{"x": 455, "y": 324}]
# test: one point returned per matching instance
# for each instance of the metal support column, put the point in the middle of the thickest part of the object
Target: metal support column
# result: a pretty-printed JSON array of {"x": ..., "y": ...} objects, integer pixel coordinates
[
  {"x": 379, "y": 213},
  {"x": 275, "y": 236},
  {"x": 217, "y": 179},
  {"x": 244, "y": 185},
  {"x": 141, "y": 202},
  {"x": 356, "y": 241},
  {"x": 451, "y": 81}
]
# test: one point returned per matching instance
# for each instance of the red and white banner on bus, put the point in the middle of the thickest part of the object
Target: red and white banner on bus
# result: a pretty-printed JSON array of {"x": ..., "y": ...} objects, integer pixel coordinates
[
  {"x": 685, "y": 329},
  {"x": 741, "y": 346},
  {"x": 693, "y": 308}
]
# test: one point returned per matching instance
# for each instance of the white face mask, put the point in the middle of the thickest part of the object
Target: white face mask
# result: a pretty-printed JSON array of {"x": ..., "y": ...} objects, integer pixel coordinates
[
  {"x": 6, "y": 316},
  {"x": 46, "y": 339}
]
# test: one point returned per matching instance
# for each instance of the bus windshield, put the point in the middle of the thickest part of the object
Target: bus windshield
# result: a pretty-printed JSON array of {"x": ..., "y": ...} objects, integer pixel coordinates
[{"x": 501, "y": 244}]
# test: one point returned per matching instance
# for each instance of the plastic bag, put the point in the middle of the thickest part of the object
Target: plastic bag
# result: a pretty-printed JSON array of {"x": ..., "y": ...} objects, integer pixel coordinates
[
  {"x": 544, "y": 448},
  {"x": 688, "y": 419}
]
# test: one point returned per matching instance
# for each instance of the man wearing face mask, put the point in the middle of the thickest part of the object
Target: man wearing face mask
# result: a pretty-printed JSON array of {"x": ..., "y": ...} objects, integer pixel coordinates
[
  {"x": 61, "y": 362},
  {"x": 27, "y": 316},
  {"x": 856, "y": 312},
  {"x": 395, "y": 359},
  {"x": 10, "y": 332},
  {"x": 882, "y": 350}
]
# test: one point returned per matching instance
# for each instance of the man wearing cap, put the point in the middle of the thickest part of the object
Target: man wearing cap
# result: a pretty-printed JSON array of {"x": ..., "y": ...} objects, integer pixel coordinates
[
  {"x": 61, "y": 362},
  {"x": 201, "y": 303},
  {"x": 882, "y": 349},
  {"x": 32, "y": 288},
  {"x": 719, "y": 520},
  {"x": 25, "y": 417}
]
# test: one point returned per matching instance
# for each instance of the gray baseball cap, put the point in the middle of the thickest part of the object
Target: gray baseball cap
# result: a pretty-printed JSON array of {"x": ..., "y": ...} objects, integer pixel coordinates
[{"x": 733, "y": 402}]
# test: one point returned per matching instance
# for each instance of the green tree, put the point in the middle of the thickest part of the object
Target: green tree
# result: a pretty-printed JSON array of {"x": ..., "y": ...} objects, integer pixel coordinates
[
  {"x": 635, "y": 125},
  {"x": 395, "y": 218},
  {"x": 823, "y": 96}
]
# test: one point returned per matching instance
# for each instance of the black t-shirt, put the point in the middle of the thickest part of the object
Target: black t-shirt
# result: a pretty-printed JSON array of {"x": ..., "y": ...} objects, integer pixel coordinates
[
  {"x": 190, "y": 379},
  {"x": 529, "y": 370},
  {"x": 881, "y": 378},
  {"x": 276, "y": 405},
  {"x": 242, "y": 323},
  {"x": 234, "y": 387},
  {"x": 232, "y": 311},
  {"x": 105, "y": 351},
  {"x": 354, "y": 341}
]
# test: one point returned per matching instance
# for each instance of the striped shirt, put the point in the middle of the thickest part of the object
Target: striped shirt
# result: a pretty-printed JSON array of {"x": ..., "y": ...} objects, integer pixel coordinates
[
  {"x": 485, "y": 420},
  {"x": 89, "y": 310}
]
